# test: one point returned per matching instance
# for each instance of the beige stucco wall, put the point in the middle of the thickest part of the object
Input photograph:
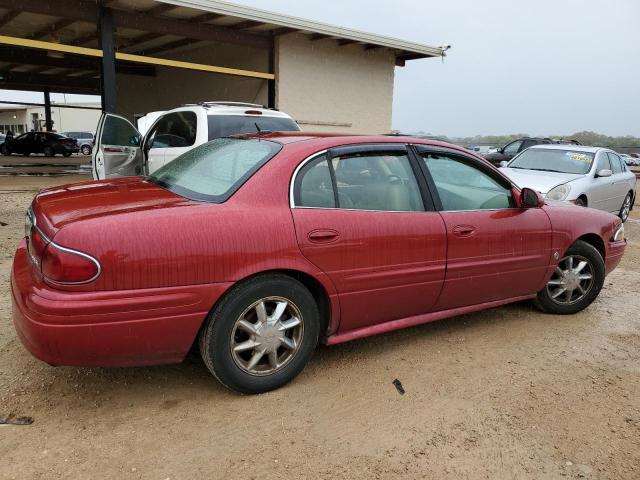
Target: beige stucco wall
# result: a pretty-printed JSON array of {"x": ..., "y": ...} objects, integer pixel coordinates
[
  {"x": 172, "y": 87},
  {"x": 321, "y": 83}
]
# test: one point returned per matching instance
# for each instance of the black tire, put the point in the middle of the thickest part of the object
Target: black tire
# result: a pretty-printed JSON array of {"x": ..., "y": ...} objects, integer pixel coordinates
[
  {"x": 26, "y": 154},
  {"x": 581, "y": 202},
  {"x": 48, "y": 151},
  {"x": 216, "y": 339},
  {"x": 544, "y": 300},
  {"x": 626, "y": 207},
  {"x": 66, "y": 154},
  {"x": 85, "y": 150},
  {"x": 5, "y": 150}
]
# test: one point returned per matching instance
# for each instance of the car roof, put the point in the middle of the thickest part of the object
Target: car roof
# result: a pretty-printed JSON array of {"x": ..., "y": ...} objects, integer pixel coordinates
[
  {"x": 565, "y": 146},
  {"x": 329, "y": 140}
]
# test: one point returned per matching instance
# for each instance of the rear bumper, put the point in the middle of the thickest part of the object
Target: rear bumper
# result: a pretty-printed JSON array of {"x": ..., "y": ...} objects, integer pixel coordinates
[
  {"x": 112, "y": 328},
  {"x": 615, "y": 250}
]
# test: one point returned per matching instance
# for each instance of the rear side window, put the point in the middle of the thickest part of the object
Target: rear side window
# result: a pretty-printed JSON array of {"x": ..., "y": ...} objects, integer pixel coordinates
[
  {"x": 367, "y": 181},
  {"x": 214, "y": 171},
  {"x": 226, "y": 125},
  {"x": 174, "y": 130},
  {"x": 616, "y": 163}
]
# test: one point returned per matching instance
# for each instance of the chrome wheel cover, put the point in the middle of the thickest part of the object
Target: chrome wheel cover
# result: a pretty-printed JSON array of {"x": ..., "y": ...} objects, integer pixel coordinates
[
  {"x": 626, "y": 208},
  {"x": 571, "y": 281},
  {"x": 266, "y": 336}
]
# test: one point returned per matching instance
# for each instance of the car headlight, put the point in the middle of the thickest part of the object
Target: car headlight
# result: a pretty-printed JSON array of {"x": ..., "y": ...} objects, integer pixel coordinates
[
  {"x": 618, "y": 233},
  {"x": 560, "y": 192}
]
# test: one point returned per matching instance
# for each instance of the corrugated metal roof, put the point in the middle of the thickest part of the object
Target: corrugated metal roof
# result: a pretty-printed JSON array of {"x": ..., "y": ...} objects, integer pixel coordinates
[{"x": 303, "y": 25}]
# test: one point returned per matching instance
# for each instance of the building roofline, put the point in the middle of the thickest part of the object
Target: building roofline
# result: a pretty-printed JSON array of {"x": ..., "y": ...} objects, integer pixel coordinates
[{"x": 297, "y": 23}]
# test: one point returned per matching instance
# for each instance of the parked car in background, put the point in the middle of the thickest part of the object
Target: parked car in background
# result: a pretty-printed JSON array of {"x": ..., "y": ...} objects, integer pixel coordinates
[
  {"x": 586, "y": 176},
  {"x": 255, "y": 248},
  {"x": 120, "y": 145},
  {"x": 84, "y": 140},
  {"x": 47, "y": 143},
  {"x": 629, "y": 160},
  {"x": 511, "y": 149}
]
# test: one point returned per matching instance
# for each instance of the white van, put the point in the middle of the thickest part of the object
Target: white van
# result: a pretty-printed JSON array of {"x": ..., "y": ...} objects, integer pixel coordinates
[{"x": 122, "y": 150}]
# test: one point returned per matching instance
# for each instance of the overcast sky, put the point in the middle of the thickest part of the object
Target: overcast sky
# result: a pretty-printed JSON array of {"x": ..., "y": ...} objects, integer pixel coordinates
[{"x": 539, "y": 67}]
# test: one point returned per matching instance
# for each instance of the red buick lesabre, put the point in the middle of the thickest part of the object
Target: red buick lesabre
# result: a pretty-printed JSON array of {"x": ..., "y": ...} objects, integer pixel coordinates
[{"x": 258, "y": 247}]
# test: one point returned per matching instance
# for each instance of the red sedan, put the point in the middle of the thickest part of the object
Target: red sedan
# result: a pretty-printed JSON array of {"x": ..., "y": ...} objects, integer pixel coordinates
[{"x": 258, "y": 247}]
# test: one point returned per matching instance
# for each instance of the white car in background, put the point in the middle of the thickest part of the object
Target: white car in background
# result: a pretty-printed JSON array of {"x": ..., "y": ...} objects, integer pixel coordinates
[
  {"x": 122, "y": 150},
  {"x": 585, "y": 176}
]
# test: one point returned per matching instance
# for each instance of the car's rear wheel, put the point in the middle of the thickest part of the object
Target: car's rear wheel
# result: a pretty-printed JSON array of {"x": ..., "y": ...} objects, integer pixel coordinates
[
  {"x": 261, "y": 334},
  {"x": 66, "y": 154},
  {"x": 48, "y": 151},
  {"x": 85, "y": 150},
  {"x": 626, "y": 208},
  {"x": 576, "y": 281}
]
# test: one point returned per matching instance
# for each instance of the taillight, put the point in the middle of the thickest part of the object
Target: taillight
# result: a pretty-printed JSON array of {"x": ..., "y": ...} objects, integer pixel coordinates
[
  {"x": 68, "y": 267},
  {"x": 36, "y": 245}
]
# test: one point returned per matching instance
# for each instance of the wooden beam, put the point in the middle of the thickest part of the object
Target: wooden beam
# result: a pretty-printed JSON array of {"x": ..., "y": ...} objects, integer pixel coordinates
[
  {"x": 169, "y": 46},
  {"x": 57, "y": 83},
  {"x": 372, "y": 47},
  {"x": 345, "y": 41},
  {"x": 276, "y": 32},
  {"x": 160, "y": 9},
  {"x": 94, "y": 52},
  {"x": 53, "y": 28},
  {"x": 246, "y": 24},
  {"x": 87, "y": 11},
  {"x": 318, "y": 36},
  {"x": 7, "y": 17}
]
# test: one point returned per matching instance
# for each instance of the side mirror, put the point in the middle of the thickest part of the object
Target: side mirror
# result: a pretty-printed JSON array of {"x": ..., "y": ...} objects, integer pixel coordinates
[
  {"x": 529, "y": 198},
  {"x": 504, "y": 163},
  {"x": 605, "y": 172}
]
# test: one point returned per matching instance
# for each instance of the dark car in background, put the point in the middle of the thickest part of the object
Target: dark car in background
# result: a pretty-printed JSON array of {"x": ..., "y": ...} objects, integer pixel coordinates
[
  {"x": 47, "y": 143},
  {"x": 510, "y": 150},
  {"x": 84, "y": 139}
]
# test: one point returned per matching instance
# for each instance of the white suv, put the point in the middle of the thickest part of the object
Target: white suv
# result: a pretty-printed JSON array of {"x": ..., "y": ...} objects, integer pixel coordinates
[{"x": 121, "y": 150}]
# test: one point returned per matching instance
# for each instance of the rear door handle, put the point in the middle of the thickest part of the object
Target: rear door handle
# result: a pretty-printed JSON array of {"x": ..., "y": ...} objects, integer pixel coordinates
[
  {"x": 463, "y": 230},
  {"x": 323, "y": 235}
]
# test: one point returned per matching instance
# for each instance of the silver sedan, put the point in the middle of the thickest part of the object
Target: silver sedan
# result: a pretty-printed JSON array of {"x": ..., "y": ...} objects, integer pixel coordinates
[{"x": 586, "y": 176}]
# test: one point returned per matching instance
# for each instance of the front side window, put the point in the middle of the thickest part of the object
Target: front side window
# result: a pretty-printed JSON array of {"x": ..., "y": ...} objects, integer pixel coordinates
[
  {"x": 363, "y": 181},
  {"x": 462, "y": 186},
  {"x": 175, "y": 130},
  {"x": 512, "y": 148},
  {"x": 214, "y": 171},
  {"x": 117, "y": 131}
]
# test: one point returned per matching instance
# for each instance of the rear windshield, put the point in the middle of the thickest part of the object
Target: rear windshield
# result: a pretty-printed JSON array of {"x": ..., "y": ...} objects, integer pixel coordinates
[
  {"x": 225, "y": 125},
  {"x": 548, "y": 160},
  {"x": 214, "y": 171}
]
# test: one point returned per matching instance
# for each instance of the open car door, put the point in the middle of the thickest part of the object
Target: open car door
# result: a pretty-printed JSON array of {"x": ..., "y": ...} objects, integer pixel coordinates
[{"x": 117, "y": 151}]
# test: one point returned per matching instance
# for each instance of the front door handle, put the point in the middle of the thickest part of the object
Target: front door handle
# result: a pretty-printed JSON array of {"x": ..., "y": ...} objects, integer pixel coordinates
[
  {"x": 323, "y": 235},
  {"x": 463, "y": 231}
]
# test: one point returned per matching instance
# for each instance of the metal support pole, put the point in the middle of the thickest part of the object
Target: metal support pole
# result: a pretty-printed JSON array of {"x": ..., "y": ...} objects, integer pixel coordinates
[
  {"x": 47, "y": 110},
  {"x": 271, "y": 84},
  {"x": 108, "y": 84}
]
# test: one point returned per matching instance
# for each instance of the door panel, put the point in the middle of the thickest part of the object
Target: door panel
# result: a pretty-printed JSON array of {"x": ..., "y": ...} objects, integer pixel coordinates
[
  {"x": 506, "y": 255},
  {"x": 384, "y": 265},
  {"x": 619, "y": 183},
  {"x": 117, "y": 152}
]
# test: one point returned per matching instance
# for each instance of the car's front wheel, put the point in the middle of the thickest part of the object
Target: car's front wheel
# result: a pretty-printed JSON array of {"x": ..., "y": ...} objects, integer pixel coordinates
[
  {"x": 261, "y": 334},
  {"x": 576, "y": 281},
  {"x": 626, "y": 208}
]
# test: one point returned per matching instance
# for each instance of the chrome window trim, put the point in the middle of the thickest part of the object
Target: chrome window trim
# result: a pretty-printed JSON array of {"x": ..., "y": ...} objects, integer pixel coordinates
[
  {"x": 313, "y": 156},
  {"x": 64, "y": 249}
]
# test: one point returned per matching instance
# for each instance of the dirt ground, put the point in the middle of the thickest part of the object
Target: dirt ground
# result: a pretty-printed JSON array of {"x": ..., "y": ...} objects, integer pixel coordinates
[{"x": 507, "y": 393}]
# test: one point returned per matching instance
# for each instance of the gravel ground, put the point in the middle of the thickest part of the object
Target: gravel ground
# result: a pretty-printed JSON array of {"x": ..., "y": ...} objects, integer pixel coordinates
[{"x": 504, "y": 393}]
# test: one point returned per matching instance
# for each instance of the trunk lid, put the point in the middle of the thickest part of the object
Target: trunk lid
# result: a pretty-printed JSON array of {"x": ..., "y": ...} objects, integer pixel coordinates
[{"x": 58, "y": 206}]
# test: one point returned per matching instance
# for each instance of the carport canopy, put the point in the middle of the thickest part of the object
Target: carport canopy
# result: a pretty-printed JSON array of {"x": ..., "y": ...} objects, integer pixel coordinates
[{"x": 84, "y": 46}]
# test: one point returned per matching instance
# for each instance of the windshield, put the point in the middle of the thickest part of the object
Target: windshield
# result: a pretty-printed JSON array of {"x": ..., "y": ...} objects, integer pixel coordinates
[
  {"x": 225, "y": 125},
  {"x": 548, "y": 160},
  {"x": 214, "y": 171}
]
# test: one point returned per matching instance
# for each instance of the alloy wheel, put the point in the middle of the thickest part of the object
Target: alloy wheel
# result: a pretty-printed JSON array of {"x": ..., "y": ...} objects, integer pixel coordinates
[
  {"x": 266, "y": 336},
  {"x": 626, "y": 208},
  {"x": 571, "y": 281}
]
